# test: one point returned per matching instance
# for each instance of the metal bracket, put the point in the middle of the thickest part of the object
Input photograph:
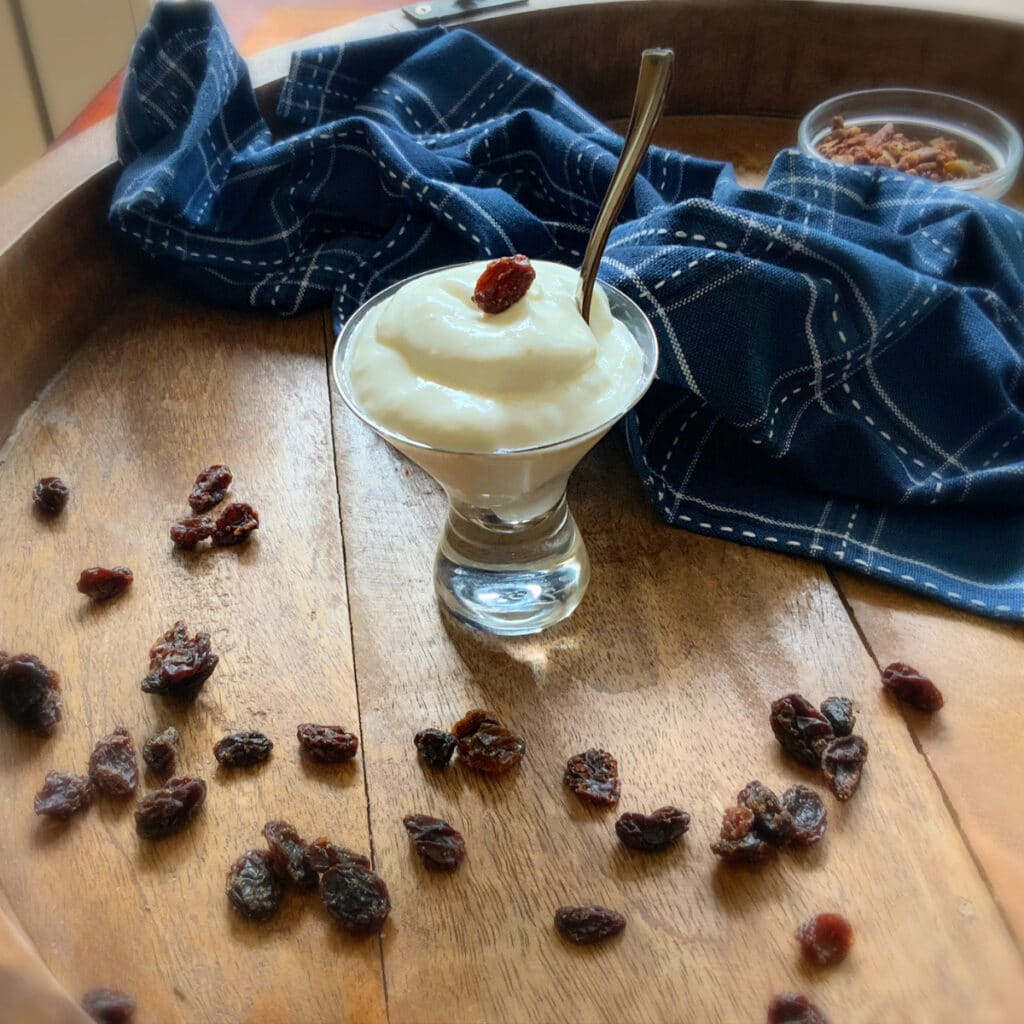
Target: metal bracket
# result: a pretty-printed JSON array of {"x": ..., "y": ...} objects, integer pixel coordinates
[{"x": 430, "y": 12}]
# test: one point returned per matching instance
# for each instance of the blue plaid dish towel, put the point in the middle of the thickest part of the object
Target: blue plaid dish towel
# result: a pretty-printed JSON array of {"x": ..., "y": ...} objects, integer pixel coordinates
[{"x": 841, "y": 351}]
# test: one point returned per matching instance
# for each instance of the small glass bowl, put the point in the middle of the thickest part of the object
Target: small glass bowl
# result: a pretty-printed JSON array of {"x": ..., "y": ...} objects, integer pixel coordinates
[{"x": 979, "y": 132}]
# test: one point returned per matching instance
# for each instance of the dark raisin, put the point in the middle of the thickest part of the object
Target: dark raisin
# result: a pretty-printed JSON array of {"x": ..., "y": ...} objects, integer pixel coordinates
[
  {"x": 101, "y": 584},
  {"x": 472, "y": 721},
  {"x": 242, "y": 748},
  {"x": 771, "y": 820},
  {"x": 63, "y": 794},
  {"x": 825, "y": 939},
  {"x": 159, "y": 751},
  {"x": 109, "y": 1005},
  {"x": 235, "y": 524},
  {"x": 503, "y": 283},
  {"x": 435, "y": 746},
  {"x": 291, "y": 854},
  {"x": 842, "y": 762},
  {"x": 807, "y": 810},
  {"x": 652, "y": 832},
  {"x": 840, "y": 714},
  {"x": 356, "y": 896},
  {"x": 50, "y": 495},
  {"x": 30, "y": 693},
  {"x": 794, "y": 1008},
  {"x": 210, "y": 487},
  {"x": 492, "y": 749},
  {"x": 800, "y": 728},
  {"x": 594, "y": 777},
  {"x": 439, "y": 845},
  {"x": 586, "y": 925},
  {"x": 329, "y": 743},
  {"x": 739, "y": 842},
  {"x": 908, "y": 685},
  {"x": 168, "y": 810},
  {"x": 113, "y": 766},
  {"x": 253, "y": 886},
  {"x": 188, "y": 532},
  {"x": 179, "y": 665},
  {"x": 324, "y": 854}
]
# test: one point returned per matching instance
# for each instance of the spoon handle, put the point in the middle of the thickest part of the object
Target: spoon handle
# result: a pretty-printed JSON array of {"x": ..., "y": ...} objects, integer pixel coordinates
[{"x": 651, "y": 90}]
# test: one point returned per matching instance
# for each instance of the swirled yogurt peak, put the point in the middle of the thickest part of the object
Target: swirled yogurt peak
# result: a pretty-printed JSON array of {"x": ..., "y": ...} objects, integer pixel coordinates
[{"x": 429, "y": 364}]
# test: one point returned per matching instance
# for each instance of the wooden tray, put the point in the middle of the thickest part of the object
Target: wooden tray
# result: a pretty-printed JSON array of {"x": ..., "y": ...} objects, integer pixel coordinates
[{"x": 126, "y": 386}]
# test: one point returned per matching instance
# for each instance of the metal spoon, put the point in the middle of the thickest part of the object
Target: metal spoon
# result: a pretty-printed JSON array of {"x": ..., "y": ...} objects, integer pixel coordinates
[{"x": 651, "y": 90}]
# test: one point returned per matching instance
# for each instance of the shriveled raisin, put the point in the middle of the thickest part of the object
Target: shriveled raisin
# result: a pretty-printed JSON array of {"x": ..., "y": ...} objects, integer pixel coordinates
[
  {"x": 168, "y": 810},
  {"x": 440, "y": 846},
  {"x": 242, "y": 748},
  {"x": 825, "y": 939},
  {"x": 739, "y": 842},
  {"x": 159, "y": 751},
  {"x": 587, "y": 925},
  {"x": 50, "y": 495},
  {"x": 330, "y": 743},
  {"x": 840, "y": 714},
  {"x": 179, "y": 665},
  {"x": 801, "y": 729},
  {"x": 30, "y": 693},
  {"x": 234, "y": 524},
  {"x": 101, "y": 584},
  {"x": 435, "y": 746},
  {"x": 113, "y": 765},
  {"x": 190, "y": 531},
  {"x": 911, "y": 687},
  {"x": 356, "y": 896},
  {"x": 63, "y": 794},
  {"x": 253, "y": 887},
  {"x": 794, "y": 1008},
  {"x": 210, "y": 487},
  {"x": 485, "y": 745},
  {"x": 843, "y": 762},
  {"x": 291, "y": 854},
  {"x": 594, "y": 777},
  {"x": 503, "y": 283},
  {"x": 652, "y": 832},
  {"x": 109, "y": 1005},
  {"x": 324, "y": 854},
  {"x": 771, "y": 819},
  {"x": 807, "y": 810}
]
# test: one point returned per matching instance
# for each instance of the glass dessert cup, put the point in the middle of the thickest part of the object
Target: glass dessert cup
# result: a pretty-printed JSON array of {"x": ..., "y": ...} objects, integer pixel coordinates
[{"x": 511, "y": 560}]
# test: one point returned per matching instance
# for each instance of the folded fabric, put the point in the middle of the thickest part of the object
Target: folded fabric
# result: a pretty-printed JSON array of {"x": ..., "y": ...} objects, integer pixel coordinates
[{"x": 841, "y": 351}]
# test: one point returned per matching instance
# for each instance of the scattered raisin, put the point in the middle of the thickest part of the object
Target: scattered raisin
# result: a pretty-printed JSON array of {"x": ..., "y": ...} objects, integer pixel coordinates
[
  {"x": 109, "y": 1005},
  {"x": 794, "y": 1008},
  {"x": 50, "y": 495},
  {"x": 113, "y": 766},
  {"x": 209, "y": 489},
  {"x": 101, "y": 584},
  {"x": 771, "y": 819},
  {"x": 503, "y": 283},
  {"x": 439, "y": 845},
  {"x": 168, "y": 810},
  {"x": 594, "y": 777},
  {"x": 179, "y": 665},
  {"x": 485, "y": 745},
  {"x": 324, "y": 854},
  {"x": 235, "y": 524},
  {"x": 159, "y": 751},
  {"x": 586, "y": 925},
  {"x": 188, "y": 532},
  {"x": 329, "y": 743},
  {"x": 63, "y": 794},
  {"x": 825, "y": 939},
  {"x": 30, "y": 693},
  {"x": 739, "y": 842},
  {"x": 800, "y": 728},
  {"x": 242, "y": 748},
  {"x": 842, "y": 762},
  {"x": 652, "y": 832},
  {"x": 291, "y": 854},
  {"x": 435, "y": 746},
  {"x": 807, "y": 810},
  {"x": 253, "y": 886},
  {"x": 356, "y": 896},
  {"x": 908, "y": 685},
  {"x": 840, "y": 715}
]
